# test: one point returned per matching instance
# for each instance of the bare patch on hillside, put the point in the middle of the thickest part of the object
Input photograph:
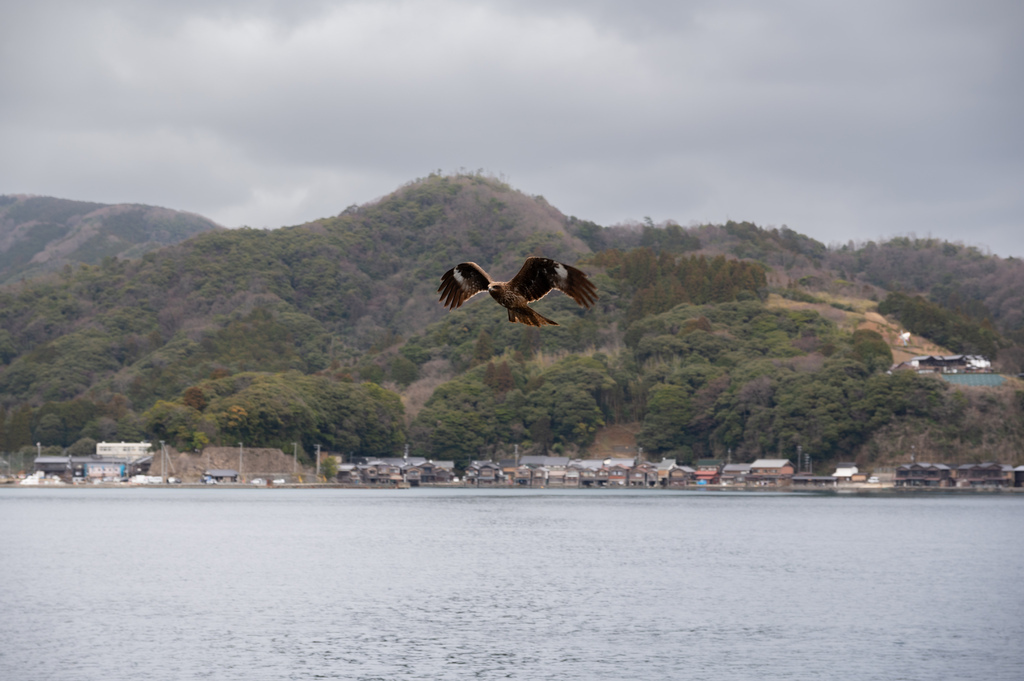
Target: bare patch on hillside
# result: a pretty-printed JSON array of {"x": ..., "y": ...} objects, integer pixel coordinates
[
  {"x": 432, "y": 374},
  {"x": 618, "y": 440},
  {"x": 864, "y": 316}
]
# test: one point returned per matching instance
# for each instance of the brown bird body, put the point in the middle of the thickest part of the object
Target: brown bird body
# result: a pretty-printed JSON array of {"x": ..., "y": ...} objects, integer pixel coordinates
[{"x": 535, "y": 279}]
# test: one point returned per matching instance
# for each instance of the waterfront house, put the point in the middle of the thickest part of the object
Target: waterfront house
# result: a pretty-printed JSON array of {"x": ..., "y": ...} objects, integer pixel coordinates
[
  {"x": 368, "y": 471},
  {"x": 348, "y": 473},
  {"x": 556, "y": 477},
  {"x": 427, "y": 472},
  {"x": 220, "y": 475},
  {"x": 587, "y": 475},
  {"x": 988, "y": 474},
  {"x": 414, "y": 474},
  {"x": 483, "y": 473},
  {"x": 525, "y": 476},
  {"x": 106, "y": 469},
  {"x": 63, "y": 466},
  {"x": 771, "y": 472},
  {"x": 381, "y": 471},
  {"x": 846, "y": 472},
  {"x": 643, "y": 474},
  {"x": 508, "y": 469},
  {"x": 734, "y": 474},
  {"x": 708, "y": 471},
  {"x": 86, "y": 467},
  {"x": 618, "y": 473},
  {"x": 924, "y": 475},
  {"x": 681, "y": 476},
  {"x": 664, "y": 466},
  {"x": 444, "y": 471}
]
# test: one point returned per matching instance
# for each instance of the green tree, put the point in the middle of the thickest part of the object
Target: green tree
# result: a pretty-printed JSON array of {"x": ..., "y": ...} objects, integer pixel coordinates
[
  {"x": 49, "y": 430},
  {"x": 403, "y": 370},
  {"x": 85, "y": 446},
  {"x": 328, "y": 467},
  {"x": 870, "y": 348},
  {"x": 483, "y": 350},
  {"x": 668, "y": 411}
]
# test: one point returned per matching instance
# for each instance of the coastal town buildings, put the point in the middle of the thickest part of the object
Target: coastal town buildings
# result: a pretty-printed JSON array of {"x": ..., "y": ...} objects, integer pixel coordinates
[
  {"x": 565, "y": 472},
  {"x": 770, "y": 472},
  {"x": 920, "y": 474}
]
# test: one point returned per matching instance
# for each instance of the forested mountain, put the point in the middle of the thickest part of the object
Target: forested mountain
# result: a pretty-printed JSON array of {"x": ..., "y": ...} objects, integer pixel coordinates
[
  {"x": 955, "y": 277},
  {"x": 40, "y": 234},
  {"x": 706, "y": 340}
]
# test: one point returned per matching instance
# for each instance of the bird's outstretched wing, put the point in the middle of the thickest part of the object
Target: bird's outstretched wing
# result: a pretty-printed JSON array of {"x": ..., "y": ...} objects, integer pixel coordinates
[
  {"x": 461, "y": 283},
  {"x": 539, "y": 275}
]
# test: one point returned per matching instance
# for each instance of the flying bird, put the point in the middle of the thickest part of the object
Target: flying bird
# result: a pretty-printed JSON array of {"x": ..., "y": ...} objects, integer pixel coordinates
[{"x": 535, "y": 280}]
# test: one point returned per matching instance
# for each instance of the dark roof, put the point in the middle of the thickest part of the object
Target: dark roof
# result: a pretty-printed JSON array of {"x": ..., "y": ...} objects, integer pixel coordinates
[
  {"x": 543, "y": 461},
  {"x": 400, "y": 461},
  {"x": 79, "y": 459}
]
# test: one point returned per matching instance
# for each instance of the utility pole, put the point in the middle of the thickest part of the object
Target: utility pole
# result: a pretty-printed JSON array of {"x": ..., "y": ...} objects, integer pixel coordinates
[
  {"x": 239, "y": 462},
  {"x": 317, "y": 461},
  {"x": 295, "y": 457},
  {"x": 163, "y": 459}
]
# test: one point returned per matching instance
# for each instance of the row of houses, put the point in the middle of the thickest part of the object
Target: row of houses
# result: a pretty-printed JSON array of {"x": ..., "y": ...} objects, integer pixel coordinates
[
  {"x": 989, "y": 474},
  {"x": 410, "y": 470},
  {"x": 544, "y": 471},
  {"x": 555, "y": 471}
]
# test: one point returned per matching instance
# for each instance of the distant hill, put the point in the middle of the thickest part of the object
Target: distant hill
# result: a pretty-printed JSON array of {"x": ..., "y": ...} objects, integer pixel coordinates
[
  {"x": 710, "y": 340},
  {"x": 40, "y": 234}
]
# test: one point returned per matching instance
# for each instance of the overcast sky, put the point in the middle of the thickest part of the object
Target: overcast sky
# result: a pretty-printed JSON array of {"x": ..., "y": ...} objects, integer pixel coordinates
[{"x": 843, "y": 120}]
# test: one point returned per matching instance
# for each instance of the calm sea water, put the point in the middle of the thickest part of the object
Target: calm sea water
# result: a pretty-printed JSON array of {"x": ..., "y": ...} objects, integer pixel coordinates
[{"x": 102, "y": 584}]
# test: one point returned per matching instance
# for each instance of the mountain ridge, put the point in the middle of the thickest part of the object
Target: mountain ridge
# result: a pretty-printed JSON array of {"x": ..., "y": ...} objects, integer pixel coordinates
[
  {"x": 41, "y": 234},
  {"x": 240, "y": 334}
]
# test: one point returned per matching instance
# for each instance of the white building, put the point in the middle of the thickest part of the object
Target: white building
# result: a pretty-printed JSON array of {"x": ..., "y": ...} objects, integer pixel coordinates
[
  {"x": 845, "y": 471},
  {"x": 124, "y": 450}
]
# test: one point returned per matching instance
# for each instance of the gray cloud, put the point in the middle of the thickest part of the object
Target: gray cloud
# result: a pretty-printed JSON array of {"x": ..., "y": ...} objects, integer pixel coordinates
[{"x": 857, "y": 121}]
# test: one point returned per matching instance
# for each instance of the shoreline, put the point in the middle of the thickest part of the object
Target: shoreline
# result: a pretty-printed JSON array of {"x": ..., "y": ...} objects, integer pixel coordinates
[{"x": 705, "y": 489}]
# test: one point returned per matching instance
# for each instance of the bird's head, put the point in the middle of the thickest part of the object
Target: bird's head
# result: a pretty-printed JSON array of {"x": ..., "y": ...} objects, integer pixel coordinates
[{"x": 494, "y": 288}]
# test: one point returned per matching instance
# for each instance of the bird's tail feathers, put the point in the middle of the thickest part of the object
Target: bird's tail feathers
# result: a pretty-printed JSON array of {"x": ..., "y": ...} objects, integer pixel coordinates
[{"x": 528, "y": 316}]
